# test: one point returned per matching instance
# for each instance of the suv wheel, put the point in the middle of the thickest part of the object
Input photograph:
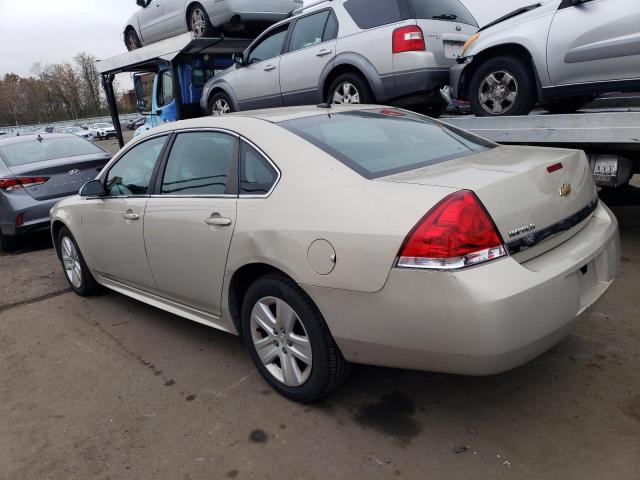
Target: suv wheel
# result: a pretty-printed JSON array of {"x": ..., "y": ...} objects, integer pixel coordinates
[
  {"x": 349, "y": 88},
  {"x": 220, "y": 104},
  {"x": 502, "y": 86},
  {"x": 289, "y": 341}
]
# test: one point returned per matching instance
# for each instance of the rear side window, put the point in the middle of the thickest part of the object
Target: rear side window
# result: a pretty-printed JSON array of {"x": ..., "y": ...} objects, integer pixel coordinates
[
  {"x": 370, "y": 14},
  {"x": 377, "y": 143},
  {"x": 447, "y": 10},
  {"x": 257, "y": 176},
  {"x": 35, "y": 150},
  {"x": 199, "y": 164}
]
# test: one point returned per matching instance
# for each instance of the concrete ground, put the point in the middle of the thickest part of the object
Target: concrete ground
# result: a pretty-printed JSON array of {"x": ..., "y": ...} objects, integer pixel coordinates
[{"x": 109, "y": 388}]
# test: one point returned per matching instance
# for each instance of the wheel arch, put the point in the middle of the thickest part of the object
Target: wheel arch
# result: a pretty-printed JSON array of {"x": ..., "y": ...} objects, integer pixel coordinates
[
  {"x": 56, "y": 226},
  {"x": 352, "y": 63},
  {"x": 221, "y": 87},
  {"x": 507, "y": 49}
]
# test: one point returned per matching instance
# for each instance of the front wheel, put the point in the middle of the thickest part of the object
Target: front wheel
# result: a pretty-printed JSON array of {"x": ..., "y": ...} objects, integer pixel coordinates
[
  {"x": 289, "y": 341},
  {"x": 199, "y": 22},
  {"x": 502, "y": 86},
  {"x": 349, "y": 88},
  {"x": 220, "y": 104},
  {"x": 76, "y": 271},
  {"x": 131, "y": 40}
]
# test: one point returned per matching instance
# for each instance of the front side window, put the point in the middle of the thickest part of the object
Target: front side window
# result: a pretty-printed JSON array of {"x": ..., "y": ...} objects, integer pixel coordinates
[
  {"x": 380, "y": 142},
  {"x": 199, "y": 164},
  {"x": 257, "y": 176},
  {"x": 132, "y": 172},
  {"x": 165, "y": 90},
  {"x": 368, "y": 14},
  {"x": 309, "y": 31},
  {"x": 269, "y": 46}
]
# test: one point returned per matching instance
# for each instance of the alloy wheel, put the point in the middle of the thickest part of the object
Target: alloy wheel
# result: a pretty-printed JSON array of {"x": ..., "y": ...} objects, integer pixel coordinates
[
  {"x": 132, "y": 44},
  {"x": 71, "y": 262},
  {"x": 498, "y": 92},
  {"x": 281, "y": 341},
  {"x": 346, "y": 93},
  {"x": 221, "y": 107},
  {"x": 198, "y": 22}
]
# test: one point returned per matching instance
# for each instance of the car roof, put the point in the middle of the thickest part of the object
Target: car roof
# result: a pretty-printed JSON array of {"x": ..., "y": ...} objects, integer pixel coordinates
[{"x": 26, "y": 137}]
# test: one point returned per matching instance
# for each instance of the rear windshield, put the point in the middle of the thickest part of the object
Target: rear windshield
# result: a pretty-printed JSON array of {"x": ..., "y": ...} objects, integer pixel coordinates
[
  {"x": 381, "y": 142},
  {"x": 35, "y": 150},
  {"x": 447, "y": 10}
]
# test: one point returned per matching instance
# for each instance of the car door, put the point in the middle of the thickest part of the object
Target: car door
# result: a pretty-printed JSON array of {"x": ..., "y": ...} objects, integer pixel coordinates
[
  {"x": 113, "y": 225},
  {"x": 150, "y": 19},
  {"x": 257, "y": 82},
  {"x": 174, "y": 17},
  {"x": 594, "y": 41},
  {"x": 311, "y": 50},
  {"x": 164, "y": 102},
  {"x": 190, "y": 219}
]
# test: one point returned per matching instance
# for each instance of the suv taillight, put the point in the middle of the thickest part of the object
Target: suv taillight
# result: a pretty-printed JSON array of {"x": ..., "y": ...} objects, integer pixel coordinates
[
  {"x": 456, "y": 233},
  {"x": 11, "y": 184},
  {"x": 408, "y": 39}
]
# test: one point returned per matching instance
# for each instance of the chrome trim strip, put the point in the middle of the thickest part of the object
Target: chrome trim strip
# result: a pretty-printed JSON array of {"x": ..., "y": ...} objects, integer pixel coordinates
[{"x": 536, "y": 238}]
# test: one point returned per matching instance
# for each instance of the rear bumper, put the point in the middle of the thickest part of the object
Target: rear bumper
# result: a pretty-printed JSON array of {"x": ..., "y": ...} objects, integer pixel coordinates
[
  {"x": 35, "y": 214},
  {"x": 415, "y": 83},
  {"x": 478, "y": 321}
]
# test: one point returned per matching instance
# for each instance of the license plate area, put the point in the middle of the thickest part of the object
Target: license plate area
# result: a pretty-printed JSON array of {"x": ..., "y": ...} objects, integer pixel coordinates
[
  {"x": 587, "y": 279},
  {"x": 452, "y": 49}
]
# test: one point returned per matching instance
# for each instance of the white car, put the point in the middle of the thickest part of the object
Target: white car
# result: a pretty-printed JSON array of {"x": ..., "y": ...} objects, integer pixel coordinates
[
  {"x": 80, "y": 132},
  {"x": 160, "y": 19},
  {"x": 102, "y": 130}
]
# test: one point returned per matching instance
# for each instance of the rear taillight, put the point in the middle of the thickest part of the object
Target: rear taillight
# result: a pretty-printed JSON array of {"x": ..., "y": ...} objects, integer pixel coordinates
[
  {"x": 456, "y": 233},
  {"x": 408, "y": 39},
  {"x": 11, "y": 184}
]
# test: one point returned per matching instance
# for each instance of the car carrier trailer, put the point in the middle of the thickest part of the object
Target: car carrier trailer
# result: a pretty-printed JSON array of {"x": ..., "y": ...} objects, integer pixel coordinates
[
  {"x": 611, "y": 139},
  {"x": 180, "y": 66}
]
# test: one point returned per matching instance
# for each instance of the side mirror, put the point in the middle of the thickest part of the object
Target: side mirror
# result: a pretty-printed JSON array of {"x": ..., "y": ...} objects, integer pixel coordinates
[
  {"x": 139, "y": 89},
  {"x": 94, "y": 188},
  {"x": 238, "y": 59}
]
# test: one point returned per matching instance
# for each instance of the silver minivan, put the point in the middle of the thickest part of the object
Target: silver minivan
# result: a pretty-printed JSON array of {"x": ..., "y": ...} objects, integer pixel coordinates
[
  {"x": 348, "y": 51},
  {"x": 561, "y": 54}
]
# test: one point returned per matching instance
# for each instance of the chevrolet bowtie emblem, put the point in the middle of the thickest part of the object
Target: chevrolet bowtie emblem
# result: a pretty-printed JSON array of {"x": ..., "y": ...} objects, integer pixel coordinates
[{"x": 565, "y": 190}]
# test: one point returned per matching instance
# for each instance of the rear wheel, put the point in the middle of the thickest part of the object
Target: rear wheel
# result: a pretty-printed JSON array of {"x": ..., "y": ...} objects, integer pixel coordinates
[
  {"x": 289, "y": 341},
  {"x": 349, "y": 88},
  {"x": 434, "y": 110},
  {"x": 568, "y": 105},
  {"x": 199, "y": 22},
  {"x": 220, "y": 104},
  {"x": 76, "y": 271},
  {"x": 131, "y": 40},
  {"x": 502, "y": 86},
  {"x": 7, "y": 243}
]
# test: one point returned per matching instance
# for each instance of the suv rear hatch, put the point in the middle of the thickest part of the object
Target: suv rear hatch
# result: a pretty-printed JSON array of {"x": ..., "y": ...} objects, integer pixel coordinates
[{"x": 537, "y": 197}]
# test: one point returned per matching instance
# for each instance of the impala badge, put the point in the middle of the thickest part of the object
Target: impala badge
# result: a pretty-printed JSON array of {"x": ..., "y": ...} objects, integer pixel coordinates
[
  {"x": 73, "y": 172},
  {"x": 565, "y": 190},
  {"x": 520, "y": 230}
]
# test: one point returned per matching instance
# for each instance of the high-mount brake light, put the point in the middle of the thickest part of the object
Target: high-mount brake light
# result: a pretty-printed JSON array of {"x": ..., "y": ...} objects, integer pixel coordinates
[
  {"x": 456, "y": 233},
  {"x": 408, "y": 39}
]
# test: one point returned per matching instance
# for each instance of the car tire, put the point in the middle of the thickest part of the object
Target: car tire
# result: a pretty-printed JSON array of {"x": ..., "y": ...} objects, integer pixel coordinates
[
  {"x": 75, "y": 268},
  {"x": 349, "y": 88},
  {"x": 220, "y": 104},
  {"x": 434, "y": 110},
  {"x": 308, "y": 380},
  {"x": 568, "y": 105},
  {"x": 131, "y": 40},
  {"x": 199, "y": 22},
  {"x": 502, "y": 86},
  {"x": 8, "y": 243}
]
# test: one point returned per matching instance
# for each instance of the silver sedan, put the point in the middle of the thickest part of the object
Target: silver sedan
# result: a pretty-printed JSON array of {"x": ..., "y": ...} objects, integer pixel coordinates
[{"x": 364, "y": 234}]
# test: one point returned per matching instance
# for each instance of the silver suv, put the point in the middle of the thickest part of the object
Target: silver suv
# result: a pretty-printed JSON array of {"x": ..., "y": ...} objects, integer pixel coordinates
[
  {"x": 348, "y": 51},
  {"x": 560, "y": 54}
]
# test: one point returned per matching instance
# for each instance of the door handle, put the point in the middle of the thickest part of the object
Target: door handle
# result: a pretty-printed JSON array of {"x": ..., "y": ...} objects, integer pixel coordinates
[
  {"x": 323, "y": 52},
  {"x": 131, "y": 216},
  {"x": 269, "y": 68},
  {"x": 216, "y": 220}
]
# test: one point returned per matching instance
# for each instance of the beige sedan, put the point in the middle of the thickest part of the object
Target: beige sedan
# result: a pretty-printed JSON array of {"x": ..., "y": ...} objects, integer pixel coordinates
[{"x": 364, "y": 234}]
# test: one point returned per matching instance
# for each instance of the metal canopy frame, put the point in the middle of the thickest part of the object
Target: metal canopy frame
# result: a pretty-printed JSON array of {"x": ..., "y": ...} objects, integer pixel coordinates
[{"x": 150, "y": 58}]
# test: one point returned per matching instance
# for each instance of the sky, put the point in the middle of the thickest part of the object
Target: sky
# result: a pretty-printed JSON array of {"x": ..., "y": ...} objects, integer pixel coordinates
[{"x": 53, "y": 31}]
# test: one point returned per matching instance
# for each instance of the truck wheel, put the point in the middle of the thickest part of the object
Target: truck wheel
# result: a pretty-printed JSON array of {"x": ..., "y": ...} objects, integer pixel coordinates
[
  {"x": 349, "y": 88},
  {"x": 131, "y": 40},
  {"x": 502, "y": 86},
  {"x": 568, "y": 105},
  {"x": 289, "y": 341},
  {"x": 199, "y": 22},
  {"x": 220, "y": 104}
]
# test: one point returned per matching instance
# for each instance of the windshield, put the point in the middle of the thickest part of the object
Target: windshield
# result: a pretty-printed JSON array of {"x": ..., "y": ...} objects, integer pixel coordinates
[
  {"x": 447, "y": 10},
  {"x": 46, "y": 148},
  {"x": 381, "y": 142}
]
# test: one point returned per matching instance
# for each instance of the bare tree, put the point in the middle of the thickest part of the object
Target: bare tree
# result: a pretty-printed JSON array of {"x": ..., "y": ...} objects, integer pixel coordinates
[{"x": 91, "y": 84}]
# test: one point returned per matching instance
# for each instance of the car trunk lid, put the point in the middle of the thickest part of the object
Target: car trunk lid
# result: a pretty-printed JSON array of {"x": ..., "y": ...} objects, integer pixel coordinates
[{"x": 538, "y": 197}]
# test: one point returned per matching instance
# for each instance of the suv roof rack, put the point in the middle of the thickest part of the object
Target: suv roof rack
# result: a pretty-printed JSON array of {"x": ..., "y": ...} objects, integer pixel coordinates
[{"x": 306, "y": 7}]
